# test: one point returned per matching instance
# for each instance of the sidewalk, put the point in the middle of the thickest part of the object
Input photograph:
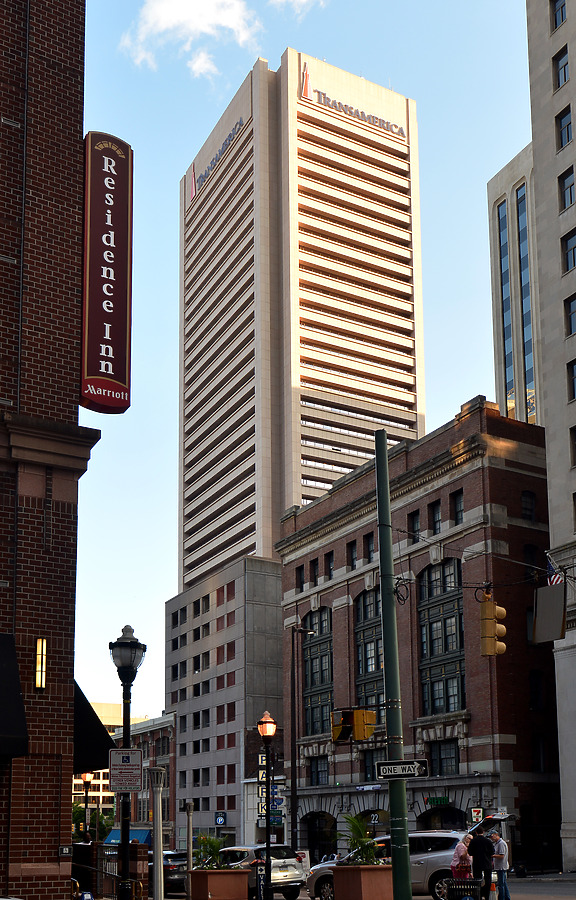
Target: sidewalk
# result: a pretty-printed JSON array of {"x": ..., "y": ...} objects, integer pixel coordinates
[{"x": 568, "y": 877}]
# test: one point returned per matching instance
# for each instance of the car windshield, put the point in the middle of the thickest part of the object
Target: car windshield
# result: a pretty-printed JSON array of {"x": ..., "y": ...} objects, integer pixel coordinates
[
  {"x": 280, "y": 852},
  {"x": 233, "y": 856}
]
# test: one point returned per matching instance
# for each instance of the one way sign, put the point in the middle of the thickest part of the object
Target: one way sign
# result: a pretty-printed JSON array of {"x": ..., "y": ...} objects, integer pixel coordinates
[{"x": 412, "y": 769}]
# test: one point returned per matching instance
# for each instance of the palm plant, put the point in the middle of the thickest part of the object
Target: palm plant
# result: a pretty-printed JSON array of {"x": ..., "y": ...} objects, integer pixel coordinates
[{"x": 361, "y": 844}]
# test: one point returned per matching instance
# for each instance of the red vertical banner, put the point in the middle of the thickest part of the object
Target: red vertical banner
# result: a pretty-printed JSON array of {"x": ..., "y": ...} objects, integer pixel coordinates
[{"x": 107, "y": 311}]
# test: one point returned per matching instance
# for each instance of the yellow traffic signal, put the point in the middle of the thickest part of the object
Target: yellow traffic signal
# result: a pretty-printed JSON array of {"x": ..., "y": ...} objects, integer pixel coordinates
[
  {"x": 342, "y": 725},
  {"x": 352, "y": 725},
  {"x": 491, "y": 631},
  {"x": 364, "y": 724}
]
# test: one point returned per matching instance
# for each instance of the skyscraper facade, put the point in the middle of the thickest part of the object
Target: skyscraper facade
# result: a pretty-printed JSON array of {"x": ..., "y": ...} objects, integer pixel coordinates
[
  {"x": 301, "y": 334},
  {"x": 300, "y": 298},
  {"x": 544, "y": 269},
  {"x": 516, "y": 322}
]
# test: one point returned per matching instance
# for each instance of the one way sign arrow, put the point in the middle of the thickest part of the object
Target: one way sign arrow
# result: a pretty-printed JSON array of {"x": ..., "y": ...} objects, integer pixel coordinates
[{"x": 414, "y": 768}]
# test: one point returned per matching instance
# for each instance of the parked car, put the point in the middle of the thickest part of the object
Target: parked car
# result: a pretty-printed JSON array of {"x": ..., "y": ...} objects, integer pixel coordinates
[
  {"x": 175, "y": 867},
  {"x": 430, "y": 857},
  {"x": 287, "y": 871}
]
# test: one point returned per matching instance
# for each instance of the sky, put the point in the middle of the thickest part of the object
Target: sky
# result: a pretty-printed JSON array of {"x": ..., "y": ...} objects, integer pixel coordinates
[{"x": 159, "y": 74}]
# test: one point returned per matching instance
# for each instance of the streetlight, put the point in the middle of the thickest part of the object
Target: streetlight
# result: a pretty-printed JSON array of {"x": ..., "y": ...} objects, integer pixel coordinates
[
  {"x": 87, "y": 780},
  {"x": 296, "y": 629},
  {"x": 127, "y": 653},
  {"x": 267, "y": 730}
]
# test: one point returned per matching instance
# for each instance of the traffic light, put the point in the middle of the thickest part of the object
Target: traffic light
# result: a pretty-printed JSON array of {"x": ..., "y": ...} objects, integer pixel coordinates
[
  {"x": 352, "y": 725},
  {"x": 364, "y": 724},
  {"x": 342, "y": 725},
  {"x": 490, "y": 628}
]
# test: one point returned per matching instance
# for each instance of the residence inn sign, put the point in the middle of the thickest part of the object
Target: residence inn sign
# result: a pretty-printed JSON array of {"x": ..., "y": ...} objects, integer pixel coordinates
[{"x": 107, "y": 274}]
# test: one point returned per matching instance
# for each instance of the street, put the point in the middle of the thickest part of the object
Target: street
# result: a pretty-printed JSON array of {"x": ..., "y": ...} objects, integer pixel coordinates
[{"x": 520, "y": 889}]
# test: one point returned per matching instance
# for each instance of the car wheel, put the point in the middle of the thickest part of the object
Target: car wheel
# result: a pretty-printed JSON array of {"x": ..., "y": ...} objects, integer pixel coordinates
[
  {"x": 291, "y": 893},
  {"x": 438, "y": 887},
  {"x": 326, "y": 890}
]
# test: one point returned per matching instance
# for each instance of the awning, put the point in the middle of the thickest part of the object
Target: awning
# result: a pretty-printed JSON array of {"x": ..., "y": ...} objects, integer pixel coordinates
[
  {"x": 13, "y": 729},
  {"x": 92, "y": 742},
  {"x": 142, "y": 835}
]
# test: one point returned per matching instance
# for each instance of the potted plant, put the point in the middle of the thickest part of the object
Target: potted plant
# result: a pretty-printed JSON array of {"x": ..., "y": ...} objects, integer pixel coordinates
[
  {"x": 211, "y": 877},
  {"x": 362, "y": 875}
]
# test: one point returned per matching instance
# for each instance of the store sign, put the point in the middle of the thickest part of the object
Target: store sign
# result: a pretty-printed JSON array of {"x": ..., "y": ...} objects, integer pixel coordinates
[
  {"x": 107, "y": 311},
  {"x": 307, "y": 93}
]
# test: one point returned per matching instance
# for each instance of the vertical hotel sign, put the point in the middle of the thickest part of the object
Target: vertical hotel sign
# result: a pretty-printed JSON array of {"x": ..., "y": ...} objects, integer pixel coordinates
[{"x": 106, "y": 331}]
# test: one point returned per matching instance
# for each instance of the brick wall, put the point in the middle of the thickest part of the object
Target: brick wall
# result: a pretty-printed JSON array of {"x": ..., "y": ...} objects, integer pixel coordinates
[
  {"x": 43, "y": 451},
  {"x": 493, "y": 460}
]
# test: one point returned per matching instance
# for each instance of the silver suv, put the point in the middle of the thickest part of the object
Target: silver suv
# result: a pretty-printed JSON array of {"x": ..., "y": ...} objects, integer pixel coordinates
[
  {"x": 431, "y": 853},
  {"x": 287, "y": 870}
]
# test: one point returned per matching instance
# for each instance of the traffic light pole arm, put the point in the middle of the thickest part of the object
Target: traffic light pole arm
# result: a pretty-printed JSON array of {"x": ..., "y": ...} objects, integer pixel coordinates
[{"x": 401, "y": 880}]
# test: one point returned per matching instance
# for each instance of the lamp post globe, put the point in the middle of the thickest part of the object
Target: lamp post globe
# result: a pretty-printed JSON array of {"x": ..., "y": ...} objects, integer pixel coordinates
[
  {"x": 267, "y": 730},
  {"x": 127, "y": 654}
]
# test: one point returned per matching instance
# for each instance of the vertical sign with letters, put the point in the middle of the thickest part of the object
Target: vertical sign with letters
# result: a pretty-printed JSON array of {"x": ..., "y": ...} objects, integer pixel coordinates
[{"x": 107, "y": 311}]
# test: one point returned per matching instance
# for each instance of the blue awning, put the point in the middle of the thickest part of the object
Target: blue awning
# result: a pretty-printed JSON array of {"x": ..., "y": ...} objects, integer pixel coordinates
[{"x": 142, "y": 835}]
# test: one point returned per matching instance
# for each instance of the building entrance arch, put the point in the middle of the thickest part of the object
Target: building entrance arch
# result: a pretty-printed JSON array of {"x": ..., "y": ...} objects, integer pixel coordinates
[
  {"x": 377, "y": 821},
  {"x": 318, "y": 834}
]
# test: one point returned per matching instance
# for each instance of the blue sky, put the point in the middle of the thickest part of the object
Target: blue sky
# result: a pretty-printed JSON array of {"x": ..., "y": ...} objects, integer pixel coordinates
[{"x": 159, "y": 73}]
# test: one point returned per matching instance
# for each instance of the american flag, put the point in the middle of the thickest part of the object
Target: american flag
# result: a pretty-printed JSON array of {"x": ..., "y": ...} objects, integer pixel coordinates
[{"x": 554, "y": 575}]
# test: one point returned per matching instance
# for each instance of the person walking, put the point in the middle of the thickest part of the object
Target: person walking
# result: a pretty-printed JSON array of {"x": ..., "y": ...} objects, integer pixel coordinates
[
  {"x": 500, "y": 848},
  {"x": 461, "y": 861},
  {"x": 481, "y": 850}
]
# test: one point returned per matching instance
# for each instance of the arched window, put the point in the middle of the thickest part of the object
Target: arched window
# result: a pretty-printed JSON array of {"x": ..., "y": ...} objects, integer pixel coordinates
[{"x": 317, "y": 659}]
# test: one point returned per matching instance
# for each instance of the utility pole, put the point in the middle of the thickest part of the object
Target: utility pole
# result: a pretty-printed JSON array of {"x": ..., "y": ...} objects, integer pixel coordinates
[{"x": 401, "y": 880}]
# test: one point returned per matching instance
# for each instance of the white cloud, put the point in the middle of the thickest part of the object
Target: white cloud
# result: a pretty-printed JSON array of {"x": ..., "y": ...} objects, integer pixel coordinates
[
  {"x": 185, "y": 21},
  {"x": 202, "y": 64},
  {"x": 299, "y": 6}
]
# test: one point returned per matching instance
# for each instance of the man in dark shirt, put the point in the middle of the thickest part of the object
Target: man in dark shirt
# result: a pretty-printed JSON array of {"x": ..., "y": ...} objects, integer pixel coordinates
[{"x": 481, "y": 850}]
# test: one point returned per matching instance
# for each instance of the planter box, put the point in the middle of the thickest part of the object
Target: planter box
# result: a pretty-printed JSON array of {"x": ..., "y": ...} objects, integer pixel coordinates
[
  {"x": 220, "y": 884},
  {"x": 363, "y": 882}
]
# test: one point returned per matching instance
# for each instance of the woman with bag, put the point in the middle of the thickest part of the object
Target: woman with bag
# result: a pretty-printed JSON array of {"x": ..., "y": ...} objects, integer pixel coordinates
[{"x": 461, "y": 864}]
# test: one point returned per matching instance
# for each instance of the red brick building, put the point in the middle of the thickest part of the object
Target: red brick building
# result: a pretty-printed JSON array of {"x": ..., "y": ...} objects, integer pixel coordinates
[
  {"x": 468, "y": 508},
  {"x": 43, "y": 451}
]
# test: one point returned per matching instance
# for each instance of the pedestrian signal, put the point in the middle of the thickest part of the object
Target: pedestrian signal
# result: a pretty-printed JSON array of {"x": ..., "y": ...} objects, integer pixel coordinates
[{"x": 364, "y": 724}]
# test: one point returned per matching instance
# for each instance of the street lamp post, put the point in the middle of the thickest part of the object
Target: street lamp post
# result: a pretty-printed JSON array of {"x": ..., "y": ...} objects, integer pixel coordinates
[
  {"x": 87, "y": 780},
  {"x": 127, "y": 653},
  {"x": 267, "y": 730},
  {"x": 157, "y": 776}
]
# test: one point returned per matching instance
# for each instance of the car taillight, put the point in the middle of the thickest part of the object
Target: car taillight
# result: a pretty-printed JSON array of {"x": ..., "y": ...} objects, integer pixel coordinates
[{"x": 299, "y": 857}]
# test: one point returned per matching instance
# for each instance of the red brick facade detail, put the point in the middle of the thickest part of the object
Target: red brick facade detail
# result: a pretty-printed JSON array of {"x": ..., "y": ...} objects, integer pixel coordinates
[
  {"x": 43, "y": 451},
  {"x": 505, "y": 727}
]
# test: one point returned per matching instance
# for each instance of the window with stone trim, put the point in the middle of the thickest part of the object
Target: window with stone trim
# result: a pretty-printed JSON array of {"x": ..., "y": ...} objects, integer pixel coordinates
[
  {"x": 444, "y": 757},
  {"x": 318, "y": 770},
  {"x": 317, "y": 664},
  {"x": 440, "y": 617},
  {"x": 369, "y": 659}
]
